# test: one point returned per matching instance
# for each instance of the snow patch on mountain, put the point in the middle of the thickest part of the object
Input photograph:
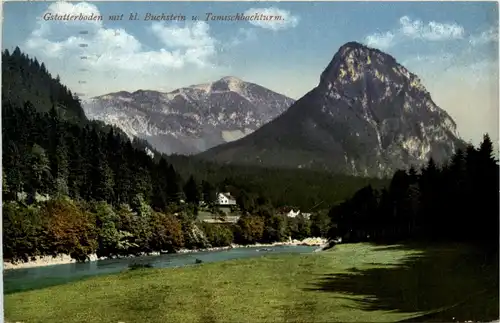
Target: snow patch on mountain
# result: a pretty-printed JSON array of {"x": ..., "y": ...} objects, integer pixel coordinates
[{"x": 191, "y": 119}]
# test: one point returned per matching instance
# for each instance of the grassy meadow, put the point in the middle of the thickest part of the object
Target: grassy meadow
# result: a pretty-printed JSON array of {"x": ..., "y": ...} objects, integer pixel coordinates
[{"x": 349, "y": 283}]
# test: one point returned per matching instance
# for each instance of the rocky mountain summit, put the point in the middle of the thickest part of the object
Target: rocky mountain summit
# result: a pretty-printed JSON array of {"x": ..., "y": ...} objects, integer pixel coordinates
[
  {"x": 192, "y": 119},
  {"x": 368, "y": 116}
]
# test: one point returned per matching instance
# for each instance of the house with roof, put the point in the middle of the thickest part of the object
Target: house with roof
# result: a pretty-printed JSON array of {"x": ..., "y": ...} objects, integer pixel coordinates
[
  {"x": 225, "y": 199},
  {"x": 292, "y": 213}
]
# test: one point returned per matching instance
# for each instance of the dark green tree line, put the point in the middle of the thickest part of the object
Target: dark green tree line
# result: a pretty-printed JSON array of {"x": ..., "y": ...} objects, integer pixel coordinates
[{"x": 457, "y": 201}]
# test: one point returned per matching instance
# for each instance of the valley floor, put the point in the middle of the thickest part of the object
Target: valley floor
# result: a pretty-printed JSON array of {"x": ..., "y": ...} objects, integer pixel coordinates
[{"x": 349, "y": 283}]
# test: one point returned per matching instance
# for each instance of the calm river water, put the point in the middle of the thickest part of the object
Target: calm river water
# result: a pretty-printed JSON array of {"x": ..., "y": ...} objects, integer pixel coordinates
[{"x": 16, "y": 280}]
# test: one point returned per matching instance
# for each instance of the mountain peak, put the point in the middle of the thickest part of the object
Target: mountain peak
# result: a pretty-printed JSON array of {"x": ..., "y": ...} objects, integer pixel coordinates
[
  {"x": 354, "y": 48},
  {"x": 228, "y": 83},
  {"x": 353, "y": 45},
  {"x": 224, "y": 84},
  {"x": 230, "y": 79},
  {"x": 140, "y": 92},
  {"x": 354, "y": 61}
]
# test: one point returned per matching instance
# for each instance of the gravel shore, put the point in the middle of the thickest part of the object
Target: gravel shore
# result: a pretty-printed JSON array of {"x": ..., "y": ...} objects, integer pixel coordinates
[{"x": 42, "y": 261}]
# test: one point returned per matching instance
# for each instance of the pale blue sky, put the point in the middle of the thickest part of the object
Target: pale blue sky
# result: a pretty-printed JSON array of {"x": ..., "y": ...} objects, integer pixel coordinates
[{"x": 452, "y": 46}]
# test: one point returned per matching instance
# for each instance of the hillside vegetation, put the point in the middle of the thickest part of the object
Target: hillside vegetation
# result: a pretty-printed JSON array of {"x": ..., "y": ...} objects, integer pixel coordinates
[{"x": 79, "y": 187}]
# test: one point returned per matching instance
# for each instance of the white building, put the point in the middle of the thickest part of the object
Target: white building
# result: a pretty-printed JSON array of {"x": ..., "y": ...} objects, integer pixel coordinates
[
  {"x": 293, "y": 214},
  {"x": 306, "y": 215},
  {"x": 225, "y": 199}
]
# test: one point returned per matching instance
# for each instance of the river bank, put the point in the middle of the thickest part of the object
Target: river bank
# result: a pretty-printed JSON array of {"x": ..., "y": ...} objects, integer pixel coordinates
[
  {"x": 269, "y": 286},
  {"x": 42, "y": 261}
]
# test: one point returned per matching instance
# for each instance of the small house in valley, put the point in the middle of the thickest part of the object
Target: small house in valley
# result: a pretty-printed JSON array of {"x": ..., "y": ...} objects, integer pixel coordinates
[
  {"x": 225, "y": 199},
  {"x": 293, "y": 214},
  {"x": 223, "y": 211}
]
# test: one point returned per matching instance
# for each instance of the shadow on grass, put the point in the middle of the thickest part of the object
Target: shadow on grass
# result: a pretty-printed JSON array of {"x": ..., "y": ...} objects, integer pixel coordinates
[
  {"x": 441, "y": 284},
  {"x": 16, "y": 287},
  {"x": 12, "y": 287}
]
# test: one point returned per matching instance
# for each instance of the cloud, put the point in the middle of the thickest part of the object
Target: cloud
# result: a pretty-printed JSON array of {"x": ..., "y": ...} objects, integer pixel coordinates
[
  {"x": 416, "y": 29},
  {"x": 62, "y": 7},
  {"x": 114, "y": 59},
  {"x": 432, "y": 31},
  {"x": 193, "y": 37},
  {"x": 272, "y": 18},
  {"x": 111, "y": 48},
  {"x": 380, "y": 40},
  {"x": 486, "y": 37}
]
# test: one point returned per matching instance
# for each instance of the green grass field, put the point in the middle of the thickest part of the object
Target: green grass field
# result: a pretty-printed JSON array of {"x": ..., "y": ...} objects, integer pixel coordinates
[{"x": 350, "y": 283}]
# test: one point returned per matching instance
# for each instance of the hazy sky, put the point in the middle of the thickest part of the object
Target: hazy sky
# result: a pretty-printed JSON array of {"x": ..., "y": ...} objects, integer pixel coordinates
[{"x": 452, "y": 46}]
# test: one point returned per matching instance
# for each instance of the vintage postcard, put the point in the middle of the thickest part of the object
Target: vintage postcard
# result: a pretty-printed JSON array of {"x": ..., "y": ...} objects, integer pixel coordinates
[{"x": 250, "y": 161}]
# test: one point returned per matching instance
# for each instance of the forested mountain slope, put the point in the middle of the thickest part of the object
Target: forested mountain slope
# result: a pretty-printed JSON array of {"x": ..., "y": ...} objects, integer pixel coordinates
[{"x": 26, "y": 79}]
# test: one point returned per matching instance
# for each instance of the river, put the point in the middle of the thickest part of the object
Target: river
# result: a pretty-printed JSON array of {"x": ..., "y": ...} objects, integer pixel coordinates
[{"x": 16, "y": 280}]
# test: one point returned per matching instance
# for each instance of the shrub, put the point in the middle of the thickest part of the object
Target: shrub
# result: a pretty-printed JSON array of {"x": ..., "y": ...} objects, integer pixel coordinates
[
  {"x": 218, "y": 235},
  {"x": 135, "y": 228},
  {"x": 250, "y": 229},
  {"x": 299, "y": 227},
  {"x": 23, "y": 232},
  {"x": 108, "y": 235},
  {"x": 71, "y": 228},
  {"x": 166, "y": 232},
  {"x": 275, "y": 229}
]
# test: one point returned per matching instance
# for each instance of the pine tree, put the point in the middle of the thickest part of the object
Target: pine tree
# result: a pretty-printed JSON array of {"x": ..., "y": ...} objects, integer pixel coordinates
[
  {"x": 39, "y": 175},
  {"x": 413, "y": 176},
  {"x": 101, "y": 176},
  {"x": 191, "y": 191},
  {"x": 76, "y": 175},
  {"x": 103, "y": 182},
  {"x": 486, "y": 154},
  {"x": 454, "y": 196},
  {"x": 245, "y": 202},
  {"x": 487, "y": 193},
  {"x": 12, "y": 170},
  {"x": 123, "y": 184},
  {"x": 160, "y": 183},
  {"x": 61, "y": 167},
  {"x": 142, "y": 184},
  {"x": 209, "y": 192},
  {"x": 173, "y": 185},
  {"x": 428, "y": 198}
]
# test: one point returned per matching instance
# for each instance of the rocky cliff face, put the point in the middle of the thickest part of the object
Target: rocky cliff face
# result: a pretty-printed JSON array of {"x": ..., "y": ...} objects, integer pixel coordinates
[
  {"x": 368, "y": 116},
  {"x": 191, "y": 119}
]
